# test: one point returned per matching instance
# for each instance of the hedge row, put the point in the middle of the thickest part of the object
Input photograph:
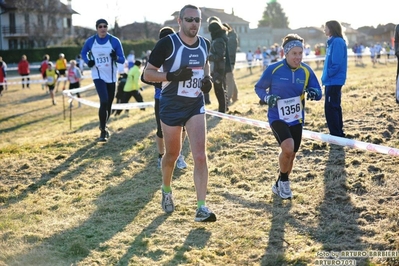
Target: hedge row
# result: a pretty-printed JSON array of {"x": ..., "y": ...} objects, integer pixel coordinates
[{"x": 36, "y": 55}]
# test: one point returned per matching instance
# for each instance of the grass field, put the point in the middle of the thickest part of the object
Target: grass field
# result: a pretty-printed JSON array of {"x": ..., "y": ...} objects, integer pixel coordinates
[{"x": 67, "y": 200}]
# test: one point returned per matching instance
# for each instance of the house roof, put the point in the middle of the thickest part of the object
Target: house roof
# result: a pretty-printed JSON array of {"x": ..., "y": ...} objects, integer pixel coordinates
[
  {"x": 37, "y": 5},
  {"x": 138, "y": 31},
  {"x": 209, "y": 12},
  {"x": 380, "y": 30}
]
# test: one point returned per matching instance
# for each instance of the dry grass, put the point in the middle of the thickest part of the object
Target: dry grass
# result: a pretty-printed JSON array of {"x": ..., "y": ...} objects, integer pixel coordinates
[{"x": 67, "y": 200}]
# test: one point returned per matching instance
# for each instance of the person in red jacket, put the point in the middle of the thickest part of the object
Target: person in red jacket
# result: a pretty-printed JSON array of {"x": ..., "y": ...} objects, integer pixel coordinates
[{"x": 24, "y": 71}]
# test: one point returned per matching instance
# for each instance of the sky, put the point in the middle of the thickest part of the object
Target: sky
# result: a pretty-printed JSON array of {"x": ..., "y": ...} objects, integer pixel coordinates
[{"x": 304, "y": 13}]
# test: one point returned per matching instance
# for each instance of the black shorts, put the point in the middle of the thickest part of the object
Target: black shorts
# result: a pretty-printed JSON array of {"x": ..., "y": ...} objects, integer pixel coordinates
[
  {"x": 75, "y": 85},
  {"x": 62, "y": 71},
  {"x": 283, "y": 131}
]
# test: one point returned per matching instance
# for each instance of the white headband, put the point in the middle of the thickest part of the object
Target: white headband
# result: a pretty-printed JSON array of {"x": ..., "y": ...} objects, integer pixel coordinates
[{"x": 289, "y": 45}]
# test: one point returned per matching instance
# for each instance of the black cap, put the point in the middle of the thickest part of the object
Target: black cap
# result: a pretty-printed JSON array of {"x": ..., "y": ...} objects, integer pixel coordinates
[
  {"x": 101, "y": 20},
  {"x": 165, "y": 31},
  {"x": 216, "y": 26},
  {"x": 227, "y": 26},
  {"x": 214, "y": 18}
]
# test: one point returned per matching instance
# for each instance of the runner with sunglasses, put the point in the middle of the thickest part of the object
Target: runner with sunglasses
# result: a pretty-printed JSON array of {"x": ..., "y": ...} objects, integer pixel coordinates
[
  {"x": 179, "y": 61},
  {"x": 101, "y": 52}
]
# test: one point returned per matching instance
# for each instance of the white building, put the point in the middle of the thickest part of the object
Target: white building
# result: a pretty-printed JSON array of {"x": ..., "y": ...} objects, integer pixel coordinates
[{"x": 34, "y": 23}]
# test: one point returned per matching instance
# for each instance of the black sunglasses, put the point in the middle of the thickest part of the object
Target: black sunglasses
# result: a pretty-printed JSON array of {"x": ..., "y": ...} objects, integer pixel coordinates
[
  {"x": 191, "y": 19},
  {"x": 102, "y": 26}
]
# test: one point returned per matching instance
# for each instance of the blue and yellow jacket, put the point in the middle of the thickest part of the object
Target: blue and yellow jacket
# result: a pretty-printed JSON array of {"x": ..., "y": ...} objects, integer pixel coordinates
[{"x": 289, "y": 84}]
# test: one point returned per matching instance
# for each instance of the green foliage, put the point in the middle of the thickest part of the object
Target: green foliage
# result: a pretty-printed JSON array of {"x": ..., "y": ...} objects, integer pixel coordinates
[
  {"x": 36, "y": 55},
  {"x": 71, "y": 51},
  {"x": 274, "y": 16},
  {"x": 138, "y": 46}
]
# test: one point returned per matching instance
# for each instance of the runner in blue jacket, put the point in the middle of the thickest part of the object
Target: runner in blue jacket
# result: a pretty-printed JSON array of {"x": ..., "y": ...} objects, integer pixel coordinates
[{"x": 282, "y": 87}]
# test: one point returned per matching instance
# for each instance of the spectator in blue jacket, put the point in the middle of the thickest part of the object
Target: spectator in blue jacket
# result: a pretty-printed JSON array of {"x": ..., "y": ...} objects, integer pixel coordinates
[{"x": 334, "y": 76}]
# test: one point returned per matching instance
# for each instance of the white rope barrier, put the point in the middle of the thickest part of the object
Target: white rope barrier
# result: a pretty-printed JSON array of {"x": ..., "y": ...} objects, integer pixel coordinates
[
  {"x": 305, "y": 134},
  {"x": 33, "y": 79},
  {"x": 316, "y": 136},
  {"x": 115, "y": 106}
]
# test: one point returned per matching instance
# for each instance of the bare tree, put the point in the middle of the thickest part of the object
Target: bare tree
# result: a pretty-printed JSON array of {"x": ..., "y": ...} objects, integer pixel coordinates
[
  {"x": 45, "y": 20},
  {"x": 80, "y": 36}
]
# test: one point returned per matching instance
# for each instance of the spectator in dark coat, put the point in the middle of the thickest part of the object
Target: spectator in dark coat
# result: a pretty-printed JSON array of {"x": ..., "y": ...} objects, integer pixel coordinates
[
  {"x": 220, "y": 62},
  {"x": 232, "y": 45}
]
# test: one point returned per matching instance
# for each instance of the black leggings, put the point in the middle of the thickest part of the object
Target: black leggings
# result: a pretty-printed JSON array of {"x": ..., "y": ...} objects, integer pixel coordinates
[
  {"x": 27, "y": 80},
  {"x": 126, "y": 97},
  {"x": 106, "y": 93},
  {"x": 220, "y": 96}
]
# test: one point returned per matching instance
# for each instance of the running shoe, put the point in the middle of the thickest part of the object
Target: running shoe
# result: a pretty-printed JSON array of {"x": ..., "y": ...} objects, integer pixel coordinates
[
  {"x": 103, "y": 136},
  {"x": 204, "y": 214},
  {"x": 282, "y": 189},
  {"x": 181, "y": 164},
  {"x": 167, "y": 202}
]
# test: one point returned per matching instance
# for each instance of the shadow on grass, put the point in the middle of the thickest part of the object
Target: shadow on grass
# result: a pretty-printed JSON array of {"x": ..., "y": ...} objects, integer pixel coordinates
[
  {"x": 16, "y": 116},
  {"x": 117, "y": 206},
  {"x": 197, "y": 238},
  {"x": 85, "y": 153},
  {"x": 274, "y": 254},
  {"x": 338, "y": 228},
  {"x": 33, "y": 98},
  {"x": 5, "y": 119},
  {"x": 138, "y": 247},
  {"x": 212, "y": 121},
  {"x": 46, "y": 177},
  {"x": 19, "y": 126}
]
